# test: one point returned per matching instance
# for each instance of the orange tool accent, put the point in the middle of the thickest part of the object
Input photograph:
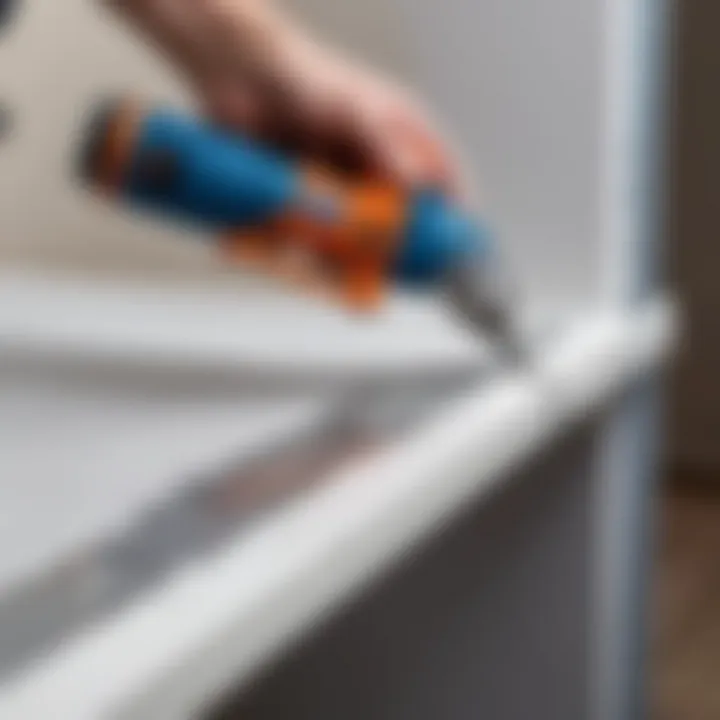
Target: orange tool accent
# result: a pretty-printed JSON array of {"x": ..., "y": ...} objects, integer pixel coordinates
[
  {"x": 117, "y": 147},
  {"x": 346, "y": 258}
]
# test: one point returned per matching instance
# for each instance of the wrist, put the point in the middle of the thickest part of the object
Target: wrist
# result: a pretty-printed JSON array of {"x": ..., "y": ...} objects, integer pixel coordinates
[
  {"x": 208, "y": 38},
  {"x": 262, "y": 36}
]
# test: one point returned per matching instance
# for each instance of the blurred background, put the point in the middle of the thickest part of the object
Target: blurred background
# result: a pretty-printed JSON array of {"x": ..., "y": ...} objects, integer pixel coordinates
[
  {"x": 688, "y": 590},
  {"x": 54, "y": 39}
]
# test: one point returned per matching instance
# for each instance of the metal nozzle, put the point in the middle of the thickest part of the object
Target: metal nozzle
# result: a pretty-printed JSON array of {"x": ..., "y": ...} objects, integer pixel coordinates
[{"x": 482, "y": 296}]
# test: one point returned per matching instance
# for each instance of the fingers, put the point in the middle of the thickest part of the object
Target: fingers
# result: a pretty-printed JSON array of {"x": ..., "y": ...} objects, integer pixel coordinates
[
  {"x": 400, "y": 140},
  {"x": 438, "y": 165},
  {"x": 419, "y": 153},
  {"x": 355, "y": 128},
  {"x": 326, "y": 111}
]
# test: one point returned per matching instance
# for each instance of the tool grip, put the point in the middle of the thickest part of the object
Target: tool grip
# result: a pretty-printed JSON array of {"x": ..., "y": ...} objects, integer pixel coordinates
[
  {"x": 179, "y": 165},
  {"x": 358, "y": 236}
]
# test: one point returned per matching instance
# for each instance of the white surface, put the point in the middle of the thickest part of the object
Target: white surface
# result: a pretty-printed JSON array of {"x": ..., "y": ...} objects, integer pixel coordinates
[
  {"x": 206, "y": 327},
  {"x": 160, "y": 660},
  {"x": 76, "y": 464},
  {"x": 82, "y": 453}
]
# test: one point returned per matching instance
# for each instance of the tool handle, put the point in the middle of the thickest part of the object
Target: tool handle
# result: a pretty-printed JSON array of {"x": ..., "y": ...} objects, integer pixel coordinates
[
  {"x": 178, "y": 165},
  {"x": 283, "y": 217}
]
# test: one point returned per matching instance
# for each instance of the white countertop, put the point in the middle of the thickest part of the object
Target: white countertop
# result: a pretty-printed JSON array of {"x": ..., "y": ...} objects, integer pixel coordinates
[
  {"x": 160, "y": 658},
  {"x": 255, "y": 332},
  {"x": 114, "y": 396}
]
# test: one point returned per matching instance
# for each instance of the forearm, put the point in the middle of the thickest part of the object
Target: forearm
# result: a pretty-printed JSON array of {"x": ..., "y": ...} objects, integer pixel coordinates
[
  {"x": 253, "y": 67},
  {"x": 204, "y": 35}
]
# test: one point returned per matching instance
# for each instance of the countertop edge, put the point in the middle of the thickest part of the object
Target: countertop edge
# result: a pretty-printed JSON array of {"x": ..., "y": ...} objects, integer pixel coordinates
[{"x": 163, "y": 658}]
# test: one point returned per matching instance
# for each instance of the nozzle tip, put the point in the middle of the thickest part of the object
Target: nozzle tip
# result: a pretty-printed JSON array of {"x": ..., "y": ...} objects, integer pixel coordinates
[{"x": 480, "y": 293}]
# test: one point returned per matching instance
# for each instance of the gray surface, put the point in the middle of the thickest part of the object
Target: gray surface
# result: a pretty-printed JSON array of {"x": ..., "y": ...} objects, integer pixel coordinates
[
  {"x": 658, "y": 20},
  {"x": 85, "y": 583},
  {"x": 80, "y": 460},
  {"x": 489, "y": 621},
  {"x": 630, "y": 474}
]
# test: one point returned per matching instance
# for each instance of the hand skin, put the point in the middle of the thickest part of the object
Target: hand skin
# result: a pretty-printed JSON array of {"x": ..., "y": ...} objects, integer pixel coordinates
[{"x": 255, "y": 69}]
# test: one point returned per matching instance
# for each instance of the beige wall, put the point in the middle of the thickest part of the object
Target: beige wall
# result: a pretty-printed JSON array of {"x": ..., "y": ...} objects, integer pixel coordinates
[{"x": 55, "y": 63}]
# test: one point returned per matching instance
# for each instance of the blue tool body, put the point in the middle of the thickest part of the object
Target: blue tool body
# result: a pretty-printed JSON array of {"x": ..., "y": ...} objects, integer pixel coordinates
[{"x": 183, "y": 166}]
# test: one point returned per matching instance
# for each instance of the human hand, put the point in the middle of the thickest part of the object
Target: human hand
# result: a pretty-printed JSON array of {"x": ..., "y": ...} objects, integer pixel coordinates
[{"x": 255, "y": 70}]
